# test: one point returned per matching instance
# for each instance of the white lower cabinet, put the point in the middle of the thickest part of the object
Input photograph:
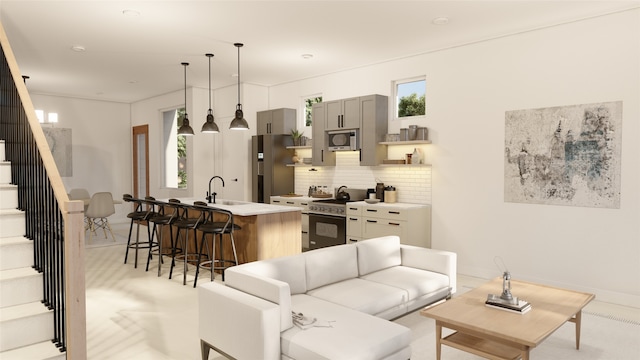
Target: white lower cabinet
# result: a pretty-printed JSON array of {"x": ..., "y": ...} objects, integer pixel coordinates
[
  {"x": 303, "y": 204},
  {"x": 411, "y": 222}
]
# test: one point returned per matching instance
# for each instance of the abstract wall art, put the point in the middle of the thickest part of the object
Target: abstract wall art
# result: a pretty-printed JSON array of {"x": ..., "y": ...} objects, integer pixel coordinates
[
  {"x": 59, "y": 141},
  {"x": 566, "y": 155}
]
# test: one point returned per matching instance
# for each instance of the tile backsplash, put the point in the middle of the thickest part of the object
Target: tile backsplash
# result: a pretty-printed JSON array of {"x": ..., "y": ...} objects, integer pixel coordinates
[{"x": 412, "y": 182}]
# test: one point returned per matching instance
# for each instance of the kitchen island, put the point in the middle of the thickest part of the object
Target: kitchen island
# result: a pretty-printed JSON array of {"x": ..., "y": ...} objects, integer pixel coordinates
[{"x": 267, "y": 231}]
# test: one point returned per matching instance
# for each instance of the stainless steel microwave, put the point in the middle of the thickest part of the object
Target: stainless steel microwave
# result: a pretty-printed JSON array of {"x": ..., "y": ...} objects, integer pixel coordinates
[{"x": 340, "y": 140}]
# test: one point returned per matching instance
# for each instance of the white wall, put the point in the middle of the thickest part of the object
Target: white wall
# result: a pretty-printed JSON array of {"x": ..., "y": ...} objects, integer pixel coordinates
[
  {"x": 469, "y": 88},
  {"x": 101, "y": 144}
]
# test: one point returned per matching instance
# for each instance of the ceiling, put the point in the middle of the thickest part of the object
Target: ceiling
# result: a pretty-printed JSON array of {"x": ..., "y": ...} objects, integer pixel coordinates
[{"x": 130, "y": 58}]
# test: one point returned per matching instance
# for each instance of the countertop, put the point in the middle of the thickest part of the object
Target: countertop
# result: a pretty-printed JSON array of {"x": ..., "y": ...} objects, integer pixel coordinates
[
  {"x": 396, "y": 205},
  {"x": 242, "y": 208}
]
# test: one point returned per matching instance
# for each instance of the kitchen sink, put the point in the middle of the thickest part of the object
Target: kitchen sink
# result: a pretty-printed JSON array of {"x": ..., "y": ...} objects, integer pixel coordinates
[{"x": 231, "y": 202}]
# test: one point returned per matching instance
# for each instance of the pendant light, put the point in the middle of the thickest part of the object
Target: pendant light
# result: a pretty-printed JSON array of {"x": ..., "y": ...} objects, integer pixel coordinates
[
  {"x": 239, "y": 123},
  {"x": 185, "y": 129},
  {"x": 210, "y": 127}
]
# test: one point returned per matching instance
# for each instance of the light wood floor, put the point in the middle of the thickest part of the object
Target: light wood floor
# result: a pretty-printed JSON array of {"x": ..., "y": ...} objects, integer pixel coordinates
[{"x": 133, "y": 314}]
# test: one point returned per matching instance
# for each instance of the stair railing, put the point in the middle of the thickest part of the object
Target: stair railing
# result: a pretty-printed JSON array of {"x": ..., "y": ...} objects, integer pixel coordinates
[{"x": 53, "y": 222}]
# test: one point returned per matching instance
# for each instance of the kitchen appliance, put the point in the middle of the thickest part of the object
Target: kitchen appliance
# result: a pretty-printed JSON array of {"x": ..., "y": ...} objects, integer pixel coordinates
[
  {"x": 328, "y": 220},
  {"x": 341, "y": 140},
  {"x": 270, "y": 174},
  {"x": 342, "y": 195}
]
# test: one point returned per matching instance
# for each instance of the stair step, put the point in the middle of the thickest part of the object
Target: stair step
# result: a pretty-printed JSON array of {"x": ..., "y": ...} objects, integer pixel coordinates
[
  {"x": 45, "y": 350},
  {"x": 8, "y": 196},
  {"x": 25, "y": 324},
  {"x": 20, "y": 286},
  {"x": 12, "y": 223},
  {"x": 15, "y": 252},
  {"x": 5, "y": 172}
]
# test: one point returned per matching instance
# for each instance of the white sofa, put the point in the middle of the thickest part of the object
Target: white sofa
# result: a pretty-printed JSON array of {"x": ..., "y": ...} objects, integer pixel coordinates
[{"x": 354, "y": 288}]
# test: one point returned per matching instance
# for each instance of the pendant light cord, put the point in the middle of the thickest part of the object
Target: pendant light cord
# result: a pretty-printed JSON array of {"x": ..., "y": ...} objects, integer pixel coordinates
[
  {"x": 185, "y": 88},
  {"x": 209, "y": 56},
  {"x": 239, "y": 73}
]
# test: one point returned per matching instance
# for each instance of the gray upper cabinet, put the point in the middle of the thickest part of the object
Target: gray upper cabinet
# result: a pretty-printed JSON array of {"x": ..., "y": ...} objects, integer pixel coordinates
[
  {"x": 371, "y": 121},
  {"x": 321, "y": 156},
  {"x": 374, "y": 112},
  {"x": 343, "y": 114},
  {"x": 276, "y": 121}
]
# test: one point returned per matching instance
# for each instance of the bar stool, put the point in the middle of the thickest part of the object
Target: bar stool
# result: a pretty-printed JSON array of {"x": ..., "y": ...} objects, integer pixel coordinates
[
  {"x": 187, "y": 224},
  {"x": 159, "y": 217},
  {"x": 209, "y": 225},
  {"x": 137, "y": 216}
]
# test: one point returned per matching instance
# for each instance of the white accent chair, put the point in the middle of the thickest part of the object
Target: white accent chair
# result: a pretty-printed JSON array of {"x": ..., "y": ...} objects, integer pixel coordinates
[{"x": 99, "y": 209}]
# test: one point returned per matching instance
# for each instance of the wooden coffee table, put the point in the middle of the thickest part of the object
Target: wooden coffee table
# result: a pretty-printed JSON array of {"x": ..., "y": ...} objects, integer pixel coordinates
[{"x": 498, "y": 334}]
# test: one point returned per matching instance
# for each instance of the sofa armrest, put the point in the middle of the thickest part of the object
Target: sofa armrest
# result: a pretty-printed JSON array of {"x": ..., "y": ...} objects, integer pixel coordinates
[
  {"x": 269, "y": 289},
  {"x": 440, "y": 261},
  {"x": 239, "y": 324}
]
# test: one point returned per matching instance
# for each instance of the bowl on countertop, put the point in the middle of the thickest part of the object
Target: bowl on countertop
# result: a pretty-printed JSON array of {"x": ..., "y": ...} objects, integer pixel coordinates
[{"x": 372, "y": 201}]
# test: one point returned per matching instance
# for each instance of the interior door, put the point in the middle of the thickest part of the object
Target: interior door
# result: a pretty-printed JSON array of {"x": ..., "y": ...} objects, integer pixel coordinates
[{"x": 140, "y": 161}]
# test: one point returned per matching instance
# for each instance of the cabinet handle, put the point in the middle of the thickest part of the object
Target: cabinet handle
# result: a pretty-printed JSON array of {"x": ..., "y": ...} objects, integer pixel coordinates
[
  {"x": 372, "y": 221},
  {"x": 305, "y": 232},
  {"x": 394, "y": 212},
  {"x": 353, "y": 219},
  {"x": 305, "y": 204},
  {"x": 275, "y": 201},
  {"x": 289, "y": 202},
  {"x": 395, "y": 224},
  {"x": 372, "y": 210},
  {"x": 322, "y": 155}
]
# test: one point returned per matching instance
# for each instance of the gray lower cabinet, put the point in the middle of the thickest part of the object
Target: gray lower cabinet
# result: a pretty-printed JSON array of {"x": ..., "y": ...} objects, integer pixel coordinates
[{"x": 276, "y": 121}]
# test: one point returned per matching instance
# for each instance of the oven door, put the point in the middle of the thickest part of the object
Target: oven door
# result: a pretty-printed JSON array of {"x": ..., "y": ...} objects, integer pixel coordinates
[{"x": 326, "y": 230}]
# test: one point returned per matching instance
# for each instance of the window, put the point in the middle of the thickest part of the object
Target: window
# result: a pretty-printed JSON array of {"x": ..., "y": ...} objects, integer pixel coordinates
[
  {"x": 175, "y": 150},
  {"x": 410, "y": 97},
  {"x": 51, "y": 117},
  {"x": 308, "y": 105}
]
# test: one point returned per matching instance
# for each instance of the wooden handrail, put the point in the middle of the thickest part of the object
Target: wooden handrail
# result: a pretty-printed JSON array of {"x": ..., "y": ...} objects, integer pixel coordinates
[{"x": 73, "y": 217}]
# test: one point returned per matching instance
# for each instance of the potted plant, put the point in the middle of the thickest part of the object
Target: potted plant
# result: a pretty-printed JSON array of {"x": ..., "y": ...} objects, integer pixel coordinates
[{"x": 296, "y": 136}]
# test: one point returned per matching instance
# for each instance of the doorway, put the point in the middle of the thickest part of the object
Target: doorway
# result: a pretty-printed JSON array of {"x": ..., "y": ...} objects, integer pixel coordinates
[{"x": 140, "y": 161}]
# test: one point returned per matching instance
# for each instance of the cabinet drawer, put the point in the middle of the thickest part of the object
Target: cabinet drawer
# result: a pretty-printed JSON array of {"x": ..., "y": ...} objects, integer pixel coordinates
[
  {"x": 372, "y": 227},
  {"x": 354, "y": 210},
  {"x": 354, "y": 226},
  {"x": 386, "y": 213}
]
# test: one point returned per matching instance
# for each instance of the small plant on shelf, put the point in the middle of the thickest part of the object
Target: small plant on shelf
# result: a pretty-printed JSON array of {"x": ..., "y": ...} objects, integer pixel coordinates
[{"x": 296, "y": 136}]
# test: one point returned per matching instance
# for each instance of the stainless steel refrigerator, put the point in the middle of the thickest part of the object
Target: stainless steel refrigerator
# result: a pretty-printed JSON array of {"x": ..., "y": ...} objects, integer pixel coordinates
[{"x": 270, "y": 174}]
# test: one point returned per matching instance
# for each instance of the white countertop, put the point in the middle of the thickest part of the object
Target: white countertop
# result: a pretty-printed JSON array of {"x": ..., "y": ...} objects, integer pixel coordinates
[
  {"x": 396, "y": 205},
  {"x": 241, "y": 208}
]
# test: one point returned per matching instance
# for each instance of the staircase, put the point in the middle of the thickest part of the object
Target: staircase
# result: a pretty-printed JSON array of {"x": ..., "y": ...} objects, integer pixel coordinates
[{"x": 26, "y": 324}]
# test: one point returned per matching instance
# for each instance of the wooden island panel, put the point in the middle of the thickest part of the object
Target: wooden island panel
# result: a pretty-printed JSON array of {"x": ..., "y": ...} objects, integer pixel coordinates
[{"x": 262, "y": 236}]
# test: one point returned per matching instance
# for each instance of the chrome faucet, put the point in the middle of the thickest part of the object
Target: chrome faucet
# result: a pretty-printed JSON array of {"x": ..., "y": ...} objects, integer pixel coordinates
[{"x": 209, "y": 193}]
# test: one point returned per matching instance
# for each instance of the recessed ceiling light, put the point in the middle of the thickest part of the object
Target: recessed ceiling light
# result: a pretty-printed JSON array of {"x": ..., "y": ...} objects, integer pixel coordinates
[
  {"x": 440, "y": 20},
  {"x": 307, "y": 56},
  {"x": 78, "y": 48},
  {"x": 130, "y": 12}
]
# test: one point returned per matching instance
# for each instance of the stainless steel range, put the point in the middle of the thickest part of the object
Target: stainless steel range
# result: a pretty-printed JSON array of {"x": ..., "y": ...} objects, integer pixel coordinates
[{"x": 328, "y": 220}]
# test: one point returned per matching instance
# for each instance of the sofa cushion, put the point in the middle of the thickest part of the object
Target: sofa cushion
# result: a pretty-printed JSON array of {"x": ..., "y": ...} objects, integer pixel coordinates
[
  {"x": 377, "y": 254},
  {"x": 353, "y": 335},
  {"x": 290, "y": 269},
  {"x": 330, "y": 265},
  {"x": 365, "y": 296},
  {"x": 415, "y": 282}
]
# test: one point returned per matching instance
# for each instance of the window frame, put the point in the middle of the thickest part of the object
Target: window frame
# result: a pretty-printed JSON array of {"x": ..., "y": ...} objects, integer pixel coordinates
[{"x": 396, "y": 99}]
